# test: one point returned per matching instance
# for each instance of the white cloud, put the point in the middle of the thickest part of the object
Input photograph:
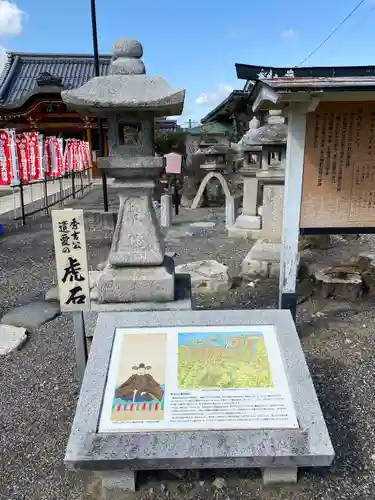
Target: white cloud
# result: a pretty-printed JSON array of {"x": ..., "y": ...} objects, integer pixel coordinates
[
  {"x": 215, "y": 97},
  {"x": 11, "y": 19},
  {"x": 3, "y": 58},
  {"x": 289, "y": 34}
]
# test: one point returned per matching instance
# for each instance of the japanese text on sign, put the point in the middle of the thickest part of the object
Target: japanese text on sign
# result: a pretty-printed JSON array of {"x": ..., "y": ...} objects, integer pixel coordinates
[
  {"x": 339, "y": 166},
  {"x": 71, "y": 260}
]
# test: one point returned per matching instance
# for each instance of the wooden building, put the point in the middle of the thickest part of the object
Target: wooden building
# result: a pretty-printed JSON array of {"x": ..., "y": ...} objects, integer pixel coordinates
[{"x": 30, "y": 95}]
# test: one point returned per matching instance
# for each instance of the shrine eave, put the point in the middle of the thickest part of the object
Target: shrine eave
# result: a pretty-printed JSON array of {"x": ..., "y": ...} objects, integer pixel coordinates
[
  {"x": 278, "y": 92},
  {"x": 39, "y": 91},
  {"x": 250, "y": 72},
  {"x": 236, "y": 101}
]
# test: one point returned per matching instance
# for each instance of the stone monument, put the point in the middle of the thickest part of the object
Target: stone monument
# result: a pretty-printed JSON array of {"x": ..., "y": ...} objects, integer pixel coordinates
[{"x": 137, "y": 271}]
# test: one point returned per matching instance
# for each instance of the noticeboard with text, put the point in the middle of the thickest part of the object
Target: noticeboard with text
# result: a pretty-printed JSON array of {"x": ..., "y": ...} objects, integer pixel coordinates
[
  {"x": 196, "y": 379},
  {"x": 338, "y": 188}
]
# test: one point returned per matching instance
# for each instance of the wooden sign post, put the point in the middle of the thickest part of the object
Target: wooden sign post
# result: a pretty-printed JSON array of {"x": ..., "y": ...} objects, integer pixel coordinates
[{"x": 72, "y": 274}]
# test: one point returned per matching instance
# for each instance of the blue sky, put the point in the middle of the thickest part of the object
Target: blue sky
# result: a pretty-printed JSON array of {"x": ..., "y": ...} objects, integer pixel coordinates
[{"x": 195, "y": 44}]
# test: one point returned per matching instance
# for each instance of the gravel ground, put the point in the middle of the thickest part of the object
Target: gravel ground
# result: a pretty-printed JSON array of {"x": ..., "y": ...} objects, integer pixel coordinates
[{"x": 38, "y": 388}]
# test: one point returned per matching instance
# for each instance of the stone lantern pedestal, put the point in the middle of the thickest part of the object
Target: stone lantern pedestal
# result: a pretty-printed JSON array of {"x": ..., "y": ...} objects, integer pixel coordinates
[{"x": 248, "y": 224}]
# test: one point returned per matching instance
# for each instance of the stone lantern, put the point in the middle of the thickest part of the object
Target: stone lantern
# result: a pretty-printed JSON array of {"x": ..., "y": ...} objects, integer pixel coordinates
[
  {"x": 271, "y": 138},
  {"x": 214, "y": 158},
  {"x": 215, "y": 165},
  {"x": 137, "y": 269}
]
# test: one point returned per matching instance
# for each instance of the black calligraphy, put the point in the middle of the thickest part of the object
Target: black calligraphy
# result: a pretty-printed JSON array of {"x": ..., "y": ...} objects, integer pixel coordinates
[
  {"x": 343, "y": 133},
  {"x": 76, "y": 296},
  {"x": 359, "y": 127},
  {"x": 349, "y": 144},
  {"x": 316, "y": 131},
  {"x": 72, "y": 271},
  {"x": 370, "y": 146},
  {"x": 64, "y": 236},
  {"x": 74, "y": 226},
  {"x": 322, "y": 150}
]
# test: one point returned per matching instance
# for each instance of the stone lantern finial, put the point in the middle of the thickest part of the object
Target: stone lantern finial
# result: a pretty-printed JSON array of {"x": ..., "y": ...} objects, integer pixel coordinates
[{"x": 126, "y": 59}]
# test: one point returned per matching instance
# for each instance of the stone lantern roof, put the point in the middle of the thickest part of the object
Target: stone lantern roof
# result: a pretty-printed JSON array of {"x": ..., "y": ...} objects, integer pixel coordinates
[
  {"x": 274, "y": 133},
  {"x": 215, "y": 150},
  {"x": 126, "y": 88}
]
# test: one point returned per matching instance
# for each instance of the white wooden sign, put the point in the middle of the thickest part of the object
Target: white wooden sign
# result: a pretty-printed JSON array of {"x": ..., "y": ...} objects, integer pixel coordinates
[{"x": 71, "y": 259}]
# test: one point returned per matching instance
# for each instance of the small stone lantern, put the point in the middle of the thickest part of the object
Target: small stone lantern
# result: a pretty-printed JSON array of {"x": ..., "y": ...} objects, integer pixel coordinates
[
  {"x": 137, "y": 269},
  {"x": 214, "y": 158}
]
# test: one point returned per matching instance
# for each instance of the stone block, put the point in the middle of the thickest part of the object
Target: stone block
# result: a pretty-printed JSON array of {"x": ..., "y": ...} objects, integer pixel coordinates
[
  {"x": 254, "y": 268},
  {"x": 274, "y": 269},
  {"x": 116, "y": 482},
  {"x": 136, "y": 284},
  {"x": 12, "y": 338},
  {"x": 207, "y": 276},
  {"x": 273, "y": 207},
  {"x": 247, "y": 234},
  {"x": 166, "y": 210},
  {"x": 266, "y": 250},
  {"x": 249, "y": 222},
  {"x": 279, "y": 475},
  {"x": 230, "y": 211},
  {"x": 342, "y": 282}
]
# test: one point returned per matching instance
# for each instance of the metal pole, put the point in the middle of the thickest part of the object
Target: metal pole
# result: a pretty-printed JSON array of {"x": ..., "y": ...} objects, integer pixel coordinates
[
  {"x": 80, "y": 342},
  {"x": 100, "y": 124}
]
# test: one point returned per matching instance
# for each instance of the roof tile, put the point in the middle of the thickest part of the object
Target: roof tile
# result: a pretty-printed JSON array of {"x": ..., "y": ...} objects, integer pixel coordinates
[{"x": 23, "y": 70}]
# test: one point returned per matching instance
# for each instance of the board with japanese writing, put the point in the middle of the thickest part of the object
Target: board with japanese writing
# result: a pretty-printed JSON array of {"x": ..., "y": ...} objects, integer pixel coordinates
[
  {"x": 338, "y": 189},
  {"x": 196, "y": 379},
  {"x": 71, "y": 259}
]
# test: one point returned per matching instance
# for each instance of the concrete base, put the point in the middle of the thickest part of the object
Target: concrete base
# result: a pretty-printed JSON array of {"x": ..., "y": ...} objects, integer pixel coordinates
[
  {"x": 263, "y": 259},
  {"x": 279, "y": 475},
  {"x": 246, "y": 226},
  {"x": 136, "y": 284}
]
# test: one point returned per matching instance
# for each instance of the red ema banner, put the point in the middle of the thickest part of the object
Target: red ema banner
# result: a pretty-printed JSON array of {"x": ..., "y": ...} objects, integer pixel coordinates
[
  {"x": 5, "y": 159},
  {"x": 34, "y": 157}
]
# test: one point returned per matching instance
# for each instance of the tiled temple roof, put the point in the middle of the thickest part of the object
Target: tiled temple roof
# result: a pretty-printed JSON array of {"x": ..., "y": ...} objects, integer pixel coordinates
[{"x": 21, "y": 71}]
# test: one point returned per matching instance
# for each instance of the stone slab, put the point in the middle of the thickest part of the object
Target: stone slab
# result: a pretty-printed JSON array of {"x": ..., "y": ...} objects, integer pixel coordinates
[
  {"x": 31, "y": 316},
  {"x": 12, "y": 338},
  {"x": 308, "y": 446},
  {"x": 182, "y": 301}
]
